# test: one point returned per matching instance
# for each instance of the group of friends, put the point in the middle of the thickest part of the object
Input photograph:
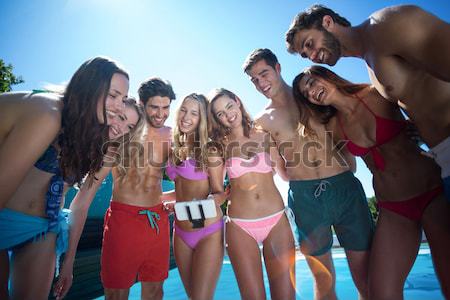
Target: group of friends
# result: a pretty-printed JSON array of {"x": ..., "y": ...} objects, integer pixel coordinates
[{"x": 309, "y": 133}]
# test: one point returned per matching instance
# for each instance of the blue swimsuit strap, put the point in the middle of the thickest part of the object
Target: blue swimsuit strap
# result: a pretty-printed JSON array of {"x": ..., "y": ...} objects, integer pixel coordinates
[
  {"x": 53, "y": 197},
  {"x": 49, "y": 163}
]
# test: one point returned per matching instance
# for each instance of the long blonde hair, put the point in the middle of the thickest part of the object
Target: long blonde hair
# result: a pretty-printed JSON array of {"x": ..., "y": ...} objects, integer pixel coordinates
[
  {"x": 126, "y": 153},
  {"x": 200, "y": 134}
]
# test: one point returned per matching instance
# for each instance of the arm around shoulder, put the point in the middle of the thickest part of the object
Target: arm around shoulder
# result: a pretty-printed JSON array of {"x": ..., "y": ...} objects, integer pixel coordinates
[{"x": 79, "y": 209}]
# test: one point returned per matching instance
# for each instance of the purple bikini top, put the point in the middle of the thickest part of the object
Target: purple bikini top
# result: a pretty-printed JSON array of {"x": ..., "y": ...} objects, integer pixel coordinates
[{"x": 186, "y": 170}]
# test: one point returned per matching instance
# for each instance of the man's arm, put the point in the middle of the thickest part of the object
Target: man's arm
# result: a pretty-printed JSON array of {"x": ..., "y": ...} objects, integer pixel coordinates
[{"x": 419, "y": 37}]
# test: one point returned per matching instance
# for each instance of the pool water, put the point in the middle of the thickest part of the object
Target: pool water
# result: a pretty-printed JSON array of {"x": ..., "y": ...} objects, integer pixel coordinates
[{"x": 421, "y": 283}]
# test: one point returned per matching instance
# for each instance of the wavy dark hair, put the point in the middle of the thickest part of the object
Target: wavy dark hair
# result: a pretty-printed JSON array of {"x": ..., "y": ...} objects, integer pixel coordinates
[
  {"x": 155, "y": 86},
  {"x": 217, "y": 132},
  {"x": 82, "y": 136},
  {"x": 324, "y": 112}
]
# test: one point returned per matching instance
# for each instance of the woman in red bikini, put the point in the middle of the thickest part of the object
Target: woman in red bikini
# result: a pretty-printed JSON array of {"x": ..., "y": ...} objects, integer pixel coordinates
[
  {"x": 407, "y": 184},
  {"x": 256, "y": 213}
]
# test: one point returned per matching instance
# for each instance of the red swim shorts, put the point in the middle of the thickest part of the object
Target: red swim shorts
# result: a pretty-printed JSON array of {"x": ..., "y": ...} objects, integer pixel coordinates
[{"x": 135, "y": 243}]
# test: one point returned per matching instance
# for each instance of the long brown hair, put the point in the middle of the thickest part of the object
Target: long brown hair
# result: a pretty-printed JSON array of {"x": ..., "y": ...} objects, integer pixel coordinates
[
  {"x": 323, "y": 112},
  {"x": 82, "y": 136},
  {"x": 218, "y": 132},
  {"x": 200, "y": 134}
]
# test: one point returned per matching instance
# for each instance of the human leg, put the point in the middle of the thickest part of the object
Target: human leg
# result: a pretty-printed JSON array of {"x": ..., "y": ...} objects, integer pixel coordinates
[
  {"x": 4, "y": 274},
  {"x": 358, "y": 263},
  {"x": 206, "y": 266},
  {"x": 183, "y": 257},
  {"x": 152, "y": 290},
  {"x": 436, "y": 224},
  {"x": 32, "y": 269},
  {"x": 394, "y": 250},
  {"x": 354, "y": 228},
  {"x": 116, "y": 294},
  {"x": 322, "y": 269},
  {"x": 313, "y": 220},
  {"x": 246, "y": 261},
  {"x": 186, "y": 249},
  {"x": 279, "y": 258}
]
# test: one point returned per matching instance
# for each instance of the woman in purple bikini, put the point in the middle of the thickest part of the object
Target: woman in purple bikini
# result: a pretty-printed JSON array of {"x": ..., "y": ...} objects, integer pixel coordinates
[{"x": 198, "y": 246}]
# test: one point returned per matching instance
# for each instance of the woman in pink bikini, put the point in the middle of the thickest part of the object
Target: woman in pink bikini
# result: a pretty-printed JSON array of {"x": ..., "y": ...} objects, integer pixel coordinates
[
  {"x": 198, "y": 246},
  {"x": 256, "y": 213},
  {"x": 407, "y": 184}
]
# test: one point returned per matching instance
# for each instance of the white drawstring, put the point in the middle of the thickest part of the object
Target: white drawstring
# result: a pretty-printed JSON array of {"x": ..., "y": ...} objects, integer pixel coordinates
[{"x": 322, "y": 187}]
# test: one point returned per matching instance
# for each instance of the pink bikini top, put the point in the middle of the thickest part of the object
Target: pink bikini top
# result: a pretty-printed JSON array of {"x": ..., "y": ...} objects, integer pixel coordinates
[
  {"x": 385, "y": 131},
  {"x": 186, "y": 170},
  {"x": 238, "y": 166}
]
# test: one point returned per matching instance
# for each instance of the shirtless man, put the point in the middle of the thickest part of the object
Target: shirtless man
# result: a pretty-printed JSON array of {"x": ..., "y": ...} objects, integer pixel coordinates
[
  {"x": 136, "y": 230},
  {"x": 320, "y": 179},
  {"x": 406, "y": 52}
]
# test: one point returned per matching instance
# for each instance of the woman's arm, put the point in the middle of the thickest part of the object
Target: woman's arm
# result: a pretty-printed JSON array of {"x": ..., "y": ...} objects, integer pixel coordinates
[
  {"x": 216, "y": 176},
  {"x": 79, "y": 207},
  {"x": 351, "y": 160},
  {"x": 277, "y": 160}
]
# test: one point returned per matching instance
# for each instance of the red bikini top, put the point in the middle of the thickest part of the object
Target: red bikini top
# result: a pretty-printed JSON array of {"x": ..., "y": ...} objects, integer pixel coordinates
[{"x": 386, "y": 130}]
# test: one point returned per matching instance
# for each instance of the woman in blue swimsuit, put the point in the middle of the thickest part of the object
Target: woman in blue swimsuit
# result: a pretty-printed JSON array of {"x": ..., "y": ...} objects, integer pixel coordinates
[{"x": 48, "y": 142}]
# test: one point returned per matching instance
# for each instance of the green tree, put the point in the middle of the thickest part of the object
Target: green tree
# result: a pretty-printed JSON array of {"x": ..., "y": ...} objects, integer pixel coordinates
[
  {"x": 372, "y": 202},
  {"x": 7, "y": 78}
]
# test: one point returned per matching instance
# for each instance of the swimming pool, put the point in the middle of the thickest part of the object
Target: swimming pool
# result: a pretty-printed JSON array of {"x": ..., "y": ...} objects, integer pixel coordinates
[{"x": 421, "y": 283}]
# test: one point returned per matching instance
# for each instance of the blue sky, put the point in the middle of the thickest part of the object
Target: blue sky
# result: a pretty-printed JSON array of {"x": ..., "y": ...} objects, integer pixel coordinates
[{"x": 196, "y": 45}]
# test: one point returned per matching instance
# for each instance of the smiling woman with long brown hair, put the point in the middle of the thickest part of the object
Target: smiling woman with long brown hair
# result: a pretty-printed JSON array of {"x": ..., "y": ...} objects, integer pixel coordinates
[
  {"x": 49, "y": 141},
  {"x": 407, "y": 184},
  {"x": 256, "y": 212}
]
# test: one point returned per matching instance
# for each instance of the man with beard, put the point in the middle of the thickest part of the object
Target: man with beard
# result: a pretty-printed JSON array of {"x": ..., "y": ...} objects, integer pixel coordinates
[
  {"x": 323, "y": 190},
  {"x": 136, "y": 229},
  {"x": 406, "y": 52}
]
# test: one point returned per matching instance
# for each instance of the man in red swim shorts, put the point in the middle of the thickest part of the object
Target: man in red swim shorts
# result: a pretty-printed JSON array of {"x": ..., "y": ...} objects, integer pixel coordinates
[{"x": 136, "y": 231}]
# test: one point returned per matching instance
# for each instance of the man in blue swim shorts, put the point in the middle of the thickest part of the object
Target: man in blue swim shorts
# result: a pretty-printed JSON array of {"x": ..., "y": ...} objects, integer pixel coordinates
[{"x": 323, "y": 191}]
